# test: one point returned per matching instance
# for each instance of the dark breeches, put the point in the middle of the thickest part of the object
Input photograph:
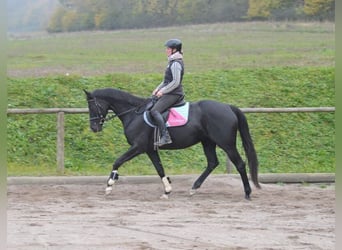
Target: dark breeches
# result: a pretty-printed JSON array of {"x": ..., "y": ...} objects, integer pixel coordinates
[{"x": 165, "y": 102}]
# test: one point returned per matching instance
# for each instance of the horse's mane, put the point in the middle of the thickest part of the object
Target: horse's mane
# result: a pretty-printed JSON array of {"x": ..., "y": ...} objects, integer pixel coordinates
[{"x": 119, "y": 96}]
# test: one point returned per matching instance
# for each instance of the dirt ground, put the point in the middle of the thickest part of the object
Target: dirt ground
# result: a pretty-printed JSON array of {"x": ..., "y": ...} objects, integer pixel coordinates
[{"x": 291, "y": 216}]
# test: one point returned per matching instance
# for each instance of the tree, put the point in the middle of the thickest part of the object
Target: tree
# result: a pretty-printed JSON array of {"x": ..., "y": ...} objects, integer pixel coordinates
[
  {"x": 288, "y": 10},
  {"x": 261, "y": 9},
  {"x": 321, "y": 9},
  {"x": 291, "y": 9},
  {"x": 122, "y": 14},
  {"x": 55, "y": 24}
]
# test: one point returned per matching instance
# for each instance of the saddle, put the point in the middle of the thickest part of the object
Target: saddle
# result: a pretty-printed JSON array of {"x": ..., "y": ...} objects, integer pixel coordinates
[{"x": 177, "y": 115}]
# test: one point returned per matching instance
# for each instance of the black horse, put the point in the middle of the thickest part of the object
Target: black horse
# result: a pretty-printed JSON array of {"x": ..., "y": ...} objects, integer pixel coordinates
[{"x": 210, "y": 122}]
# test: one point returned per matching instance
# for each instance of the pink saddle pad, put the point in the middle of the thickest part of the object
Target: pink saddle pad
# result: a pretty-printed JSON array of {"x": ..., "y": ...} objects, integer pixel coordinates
[{"x": 178, "y": 116}]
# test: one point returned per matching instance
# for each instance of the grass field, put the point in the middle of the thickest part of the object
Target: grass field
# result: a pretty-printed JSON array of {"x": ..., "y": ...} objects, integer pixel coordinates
[
  {"x": 207, "y": 47},
  {"x": 247, "y": 64}
]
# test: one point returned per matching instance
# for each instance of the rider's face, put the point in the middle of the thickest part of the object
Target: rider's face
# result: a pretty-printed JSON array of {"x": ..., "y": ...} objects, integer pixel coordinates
[{"x": 169, "y": 51}]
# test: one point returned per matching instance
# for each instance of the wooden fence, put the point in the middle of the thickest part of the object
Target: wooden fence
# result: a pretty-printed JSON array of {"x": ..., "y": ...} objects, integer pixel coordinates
[{"x": 62, "y": 111}]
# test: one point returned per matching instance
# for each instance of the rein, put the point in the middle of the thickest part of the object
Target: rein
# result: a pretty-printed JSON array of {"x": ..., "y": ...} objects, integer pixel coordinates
[{"x": 103, "y": 119}]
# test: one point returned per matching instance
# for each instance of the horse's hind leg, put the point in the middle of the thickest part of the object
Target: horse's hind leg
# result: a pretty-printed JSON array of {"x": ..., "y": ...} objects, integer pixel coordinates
[
  {"x": 209, "y": 148},
  {"x": 240, "y": 165}
]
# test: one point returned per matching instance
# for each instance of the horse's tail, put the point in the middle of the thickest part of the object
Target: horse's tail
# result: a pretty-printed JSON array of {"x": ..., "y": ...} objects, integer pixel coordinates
[{"x": 247, "y": 145}]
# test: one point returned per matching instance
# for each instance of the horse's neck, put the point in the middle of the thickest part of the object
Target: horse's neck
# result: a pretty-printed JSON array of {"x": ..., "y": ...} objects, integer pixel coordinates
[{"x": 121, "y": 101}]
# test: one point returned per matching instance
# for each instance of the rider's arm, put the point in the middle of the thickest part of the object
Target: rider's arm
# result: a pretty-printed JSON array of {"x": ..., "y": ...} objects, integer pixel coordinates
[
  {"x": 176, "y": 70},
  {"x": 155, "y": 91}
]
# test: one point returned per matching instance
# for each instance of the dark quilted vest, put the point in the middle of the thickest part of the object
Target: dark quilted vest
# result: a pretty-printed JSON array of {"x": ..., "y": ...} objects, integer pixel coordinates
[{"x": 168, "y": 78}]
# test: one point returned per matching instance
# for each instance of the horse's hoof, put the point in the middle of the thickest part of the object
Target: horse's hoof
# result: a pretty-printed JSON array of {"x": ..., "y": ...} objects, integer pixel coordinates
[
  {"x": 108, "y": 190},
  {"x": 247, "y": 197},
  {"x": 164, "y": 197},
  {"x": 192, "y": 192}
]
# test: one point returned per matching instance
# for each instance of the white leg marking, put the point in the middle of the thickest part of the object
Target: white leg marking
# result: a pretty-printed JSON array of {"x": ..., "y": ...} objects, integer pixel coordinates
[
  {"x": 192, "y": 192},
  {"x": 109, "y": 190},
  {"x": 164, "y": 197},
  {"x": 167, "y": 185},
  {"x": 111, "y": 182}
]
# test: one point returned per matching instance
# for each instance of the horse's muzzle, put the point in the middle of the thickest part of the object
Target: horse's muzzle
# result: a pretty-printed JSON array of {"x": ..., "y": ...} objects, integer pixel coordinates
[{"x": 96, "y": 127}]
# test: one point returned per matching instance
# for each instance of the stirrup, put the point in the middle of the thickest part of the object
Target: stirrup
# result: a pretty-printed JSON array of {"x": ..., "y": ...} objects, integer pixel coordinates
[{"x": 163, "y": 141}]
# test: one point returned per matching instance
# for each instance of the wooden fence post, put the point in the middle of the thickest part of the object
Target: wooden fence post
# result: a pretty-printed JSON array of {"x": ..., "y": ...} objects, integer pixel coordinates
[{"x": 60, "y": 142}]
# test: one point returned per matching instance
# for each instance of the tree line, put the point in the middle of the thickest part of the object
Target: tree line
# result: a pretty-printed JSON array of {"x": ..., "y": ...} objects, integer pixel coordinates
[{"x": 79, "y": 15}]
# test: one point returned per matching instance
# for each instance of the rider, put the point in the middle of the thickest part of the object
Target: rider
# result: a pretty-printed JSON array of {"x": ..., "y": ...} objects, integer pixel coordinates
[{"x": 170, "y": 90}]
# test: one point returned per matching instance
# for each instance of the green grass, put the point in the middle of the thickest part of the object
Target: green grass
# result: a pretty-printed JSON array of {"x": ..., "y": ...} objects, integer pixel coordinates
[
  {"x": 296, "y": 142},
  {"x": 248, "y": 65},
  {"x": 206, "y": 47}
]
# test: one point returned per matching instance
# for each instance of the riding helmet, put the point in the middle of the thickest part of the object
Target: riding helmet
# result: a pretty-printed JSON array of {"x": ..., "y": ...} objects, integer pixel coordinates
[{"x": 174, "y": 44}]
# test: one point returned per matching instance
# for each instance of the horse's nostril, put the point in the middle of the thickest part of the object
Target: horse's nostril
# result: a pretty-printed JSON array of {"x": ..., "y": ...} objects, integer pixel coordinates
[
  {"x": 93, "y": 128},
  {"x": 96, "y": 128}
]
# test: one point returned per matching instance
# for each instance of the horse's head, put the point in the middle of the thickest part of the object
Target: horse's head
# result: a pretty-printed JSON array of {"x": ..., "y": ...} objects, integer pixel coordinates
[{"x": 98, "y": 110}]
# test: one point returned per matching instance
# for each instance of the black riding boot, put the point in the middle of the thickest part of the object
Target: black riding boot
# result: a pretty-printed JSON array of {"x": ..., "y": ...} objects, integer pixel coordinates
[{"x": 165, "y": 136}]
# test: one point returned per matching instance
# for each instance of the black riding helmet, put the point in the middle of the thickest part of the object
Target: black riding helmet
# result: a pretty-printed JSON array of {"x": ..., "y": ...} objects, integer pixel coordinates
[{"x": 174, "y": 44}]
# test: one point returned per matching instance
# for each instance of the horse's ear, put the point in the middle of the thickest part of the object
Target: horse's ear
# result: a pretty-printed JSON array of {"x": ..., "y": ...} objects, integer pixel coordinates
[{"x": 88, "y": 94}]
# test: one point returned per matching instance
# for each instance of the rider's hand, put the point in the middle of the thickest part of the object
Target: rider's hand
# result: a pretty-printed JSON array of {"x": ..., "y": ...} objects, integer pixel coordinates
[{"x": 154, "y": 98}]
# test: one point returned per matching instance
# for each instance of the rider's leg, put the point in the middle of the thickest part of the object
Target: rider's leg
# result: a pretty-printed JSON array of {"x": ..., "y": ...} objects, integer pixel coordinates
[
  {"x": 165, "y": 136},
  {"x": 163, "y": 103}
]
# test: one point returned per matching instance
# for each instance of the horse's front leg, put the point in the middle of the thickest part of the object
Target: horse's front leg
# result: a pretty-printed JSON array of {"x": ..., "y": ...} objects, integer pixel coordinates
[
  {"x": 111, "y": 180},
  {"x": 131, "y": 153},
  {"x": 154, "y": 157}
]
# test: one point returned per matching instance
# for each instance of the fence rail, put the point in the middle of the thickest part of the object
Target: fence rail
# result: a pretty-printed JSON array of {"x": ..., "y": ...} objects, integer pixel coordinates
[
  {"x": 62, "y": 111},
  {"x": 245, "y": 110}
]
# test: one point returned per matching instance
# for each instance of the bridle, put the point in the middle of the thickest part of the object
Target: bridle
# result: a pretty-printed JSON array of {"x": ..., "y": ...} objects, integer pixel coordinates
[{"x": 101, "y": 117}]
